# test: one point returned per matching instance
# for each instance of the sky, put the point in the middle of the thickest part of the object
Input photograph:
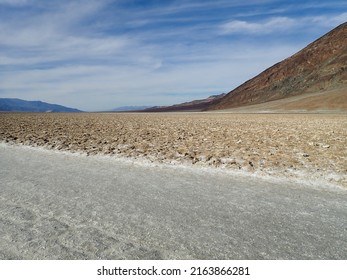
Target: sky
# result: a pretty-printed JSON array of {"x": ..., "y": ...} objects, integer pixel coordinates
[{"x": 102, "y": 54}]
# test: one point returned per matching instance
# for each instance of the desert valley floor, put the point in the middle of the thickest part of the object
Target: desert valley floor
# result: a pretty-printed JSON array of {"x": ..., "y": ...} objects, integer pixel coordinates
[
  {"x": 312, "y": 147},
  {"x": 173, "y": 186}
]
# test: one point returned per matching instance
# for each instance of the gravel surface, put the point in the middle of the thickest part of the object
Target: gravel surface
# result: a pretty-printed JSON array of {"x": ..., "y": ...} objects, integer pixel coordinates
[
  {"x": 312, "y": 147},
  {"x": 59, "y": 205}
]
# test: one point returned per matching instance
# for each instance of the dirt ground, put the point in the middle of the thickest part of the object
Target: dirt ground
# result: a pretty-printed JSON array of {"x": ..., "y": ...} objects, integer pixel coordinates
[
  {"x": 325, "y": 101},
  {"x": 312, "y": 147}
]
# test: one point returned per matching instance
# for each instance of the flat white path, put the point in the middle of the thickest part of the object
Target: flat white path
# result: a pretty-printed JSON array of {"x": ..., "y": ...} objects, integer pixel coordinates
[{"x": 64, "y": 206}]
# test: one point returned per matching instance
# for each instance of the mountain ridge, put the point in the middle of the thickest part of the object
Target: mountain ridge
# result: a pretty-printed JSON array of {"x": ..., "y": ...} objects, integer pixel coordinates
[
  {"x": 194, "y": 105},
  {"x": 20, "y": 105},
  {"x": 129, "y": 108}
]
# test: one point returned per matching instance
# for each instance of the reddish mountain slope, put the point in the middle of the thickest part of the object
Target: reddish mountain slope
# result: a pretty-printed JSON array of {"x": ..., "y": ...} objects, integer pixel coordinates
[
  {"x": 195, "y": 105},
  {"x": 321, "y": 66}
]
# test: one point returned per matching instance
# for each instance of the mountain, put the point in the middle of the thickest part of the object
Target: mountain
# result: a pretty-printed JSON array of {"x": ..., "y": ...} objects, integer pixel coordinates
[
  {"x": 195, "y": 105},
  {"x": 19, "y": 105},
  {"x": 320, "y": 68},
  {"x": 129, "y": 108}
]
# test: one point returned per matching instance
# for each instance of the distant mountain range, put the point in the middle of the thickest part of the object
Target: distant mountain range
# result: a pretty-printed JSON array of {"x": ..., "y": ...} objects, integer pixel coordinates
[
  {"x": 195, "y": 105},
  {"x": 129, "y": 108},
  {"x": 19, "y": 105}
]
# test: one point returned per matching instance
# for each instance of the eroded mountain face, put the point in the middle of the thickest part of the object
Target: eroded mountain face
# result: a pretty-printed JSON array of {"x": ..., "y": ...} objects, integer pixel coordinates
[{"x": 320, "y": 66}]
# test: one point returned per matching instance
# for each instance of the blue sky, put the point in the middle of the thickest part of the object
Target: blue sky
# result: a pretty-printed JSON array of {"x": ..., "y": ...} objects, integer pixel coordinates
[{"x": 102, "y": 54}]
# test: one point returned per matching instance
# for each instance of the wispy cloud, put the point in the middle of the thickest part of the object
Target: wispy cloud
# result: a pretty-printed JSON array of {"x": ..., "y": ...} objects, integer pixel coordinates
[
  {"x": 327, "y": 21},
  {"x": 280, "y": 24},
  {"x": 56, "y": 35},
  {"x": 269, "y": 26}
]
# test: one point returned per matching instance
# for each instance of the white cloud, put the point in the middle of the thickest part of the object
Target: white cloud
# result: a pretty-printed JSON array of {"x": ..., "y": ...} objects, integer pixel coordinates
[
  {"x": 328, "y": 21},
  {"x": 280, "y": 24},
  {"x": 269, "y": 26},
  {"x": 56, "y": 35}
]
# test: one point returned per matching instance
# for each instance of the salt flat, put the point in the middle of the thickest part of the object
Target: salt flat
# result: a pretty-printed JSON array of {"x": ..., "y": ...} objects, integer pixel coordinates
[
  {"x": 58, "y": 205},
  {"x": 307, "y": 146}
]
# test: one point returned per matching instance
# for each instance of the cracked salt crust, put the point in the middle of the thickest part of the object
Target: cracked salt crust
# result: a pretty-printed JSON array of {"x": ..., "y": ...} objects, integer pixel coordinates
[{"x": 312, "y": 147}]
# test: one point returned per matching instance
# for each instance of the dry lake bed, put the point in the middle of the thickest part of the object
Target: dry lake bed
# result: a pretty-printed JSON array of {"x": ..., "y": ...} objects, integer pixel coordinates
[
  {"x": 308, "y": 146},
  {"x": 173, "y": 186}
]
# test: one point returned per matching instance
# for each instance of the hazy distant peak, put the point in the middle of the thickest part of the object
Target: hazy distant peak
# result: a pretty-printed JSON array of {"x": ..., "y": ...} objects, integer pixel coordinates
[{"x": 19, "y": 105}]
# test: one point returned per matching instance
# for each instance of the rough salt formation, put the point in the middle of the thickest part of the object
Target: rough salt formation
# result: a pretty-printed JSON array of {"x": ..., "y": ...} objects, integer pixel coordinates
[{"x": 307, "y": 145}]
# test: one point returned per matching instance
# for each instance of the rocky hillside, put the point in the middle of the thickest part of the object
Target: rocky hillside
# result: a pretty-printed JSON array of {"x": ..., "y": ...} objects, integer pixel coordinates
[
  {"x": 195, "y": 105},
  {"x": 319, "y": 67}
]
